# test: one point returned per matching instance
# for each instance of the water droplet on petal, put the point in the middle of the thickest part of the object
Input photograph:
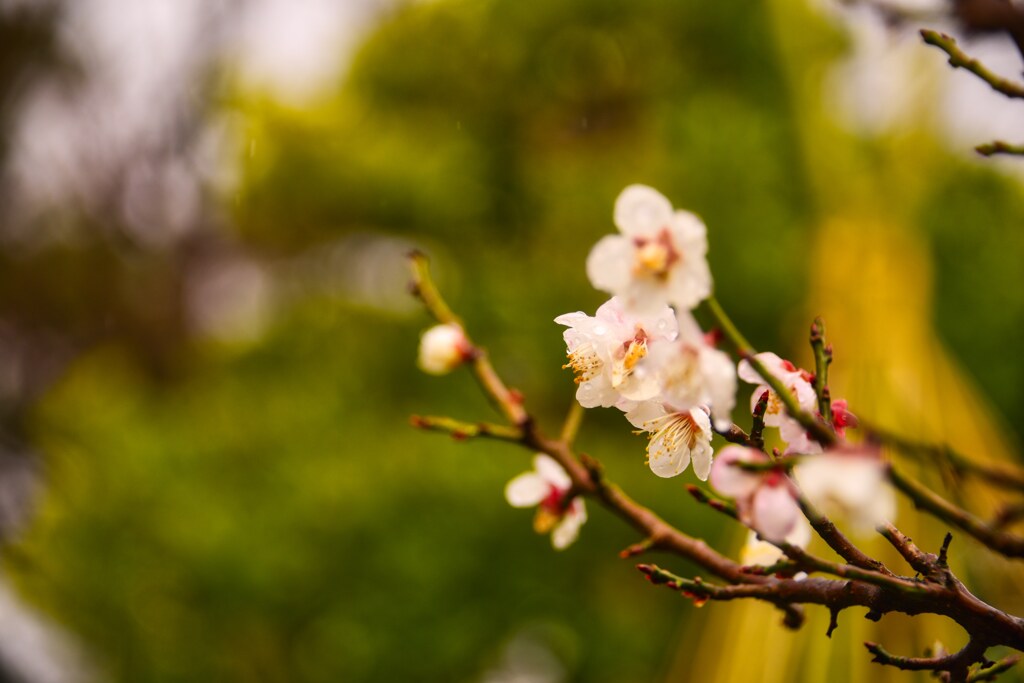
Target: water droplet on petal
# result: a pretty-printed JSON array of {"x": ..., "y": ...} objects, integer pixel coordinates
[{"x": 600, "y": 330}]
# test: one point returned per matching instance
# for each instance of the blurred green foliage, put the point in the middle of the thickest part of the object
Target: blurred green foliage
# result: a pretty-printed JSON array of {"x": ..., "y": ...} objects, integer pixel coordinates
[{"x": 268, "y": 516}]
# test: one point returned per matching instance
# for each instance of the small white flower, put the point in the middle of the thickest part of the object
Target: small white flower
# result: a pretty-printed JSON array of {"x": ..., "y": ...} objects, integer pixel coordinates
[
  {"x": 443, "y": 348},
  {"x": 694, "y": 373},
  {"x": 764, "y": 500},
  {"x": 677, "y": 437},
  {"x": 659, "y": 258},
  {"x": 605, "y": 351},
  {"x": 849, "y": 483},
  {"x": 547, "y": 487},
  {"x": 799, "y": 384}
]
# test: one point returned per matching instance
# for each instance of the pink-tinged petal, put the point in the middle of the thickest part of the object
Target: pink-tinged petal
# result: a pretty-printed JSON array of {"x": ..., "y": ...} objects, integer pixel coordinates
[
  {"x": 731, "y": 480},
  {"x": 610, "y": 263},
  {"x": 573, "y": 319},
  {"x": 568, "y": 530},
  {"x": 551, "y": 471},
  {"x": 526, "y": 490},
  {"x": 774, "y": 512},
  {"x": 796, "y": 438},
  {"x": 771, "y": 362},
  {"x": 641, "y": 211},
  {"x": 597, "y": 393}
]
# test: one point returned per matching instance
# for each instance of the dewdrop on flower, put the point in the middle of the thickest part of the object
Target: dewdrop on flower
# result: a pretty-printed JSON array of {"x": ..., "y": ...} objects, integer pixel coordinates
[
  {"x": 443, "y": 348},
  {"x": 659, "y": 258},
  {"x": 547, "y": 487}
]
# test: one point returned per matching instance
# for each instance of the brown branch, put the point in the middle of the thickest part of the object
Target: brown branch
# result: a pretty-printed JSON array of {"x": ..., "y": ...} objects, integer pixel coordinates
[
  {"x": 988, "y": 626},
  {"x": 957, "y": 663},
  {"x": 999, "y": 147},
  {"x": 837, "y": 540},
  {"x": 1002, "y": 475},
  {"x": 923, "y": 498}
]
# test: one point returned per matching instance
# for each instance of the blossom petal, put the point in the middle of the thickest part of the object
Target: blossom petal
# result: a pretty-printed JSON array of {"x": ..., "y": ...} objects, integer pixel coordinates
[
  {"x": 610, "y": 263},
  {"x": 568, "y": 530},
  {"x": 731, "y": 480},
  {"x": 641, "y": 210},
  {"x": 664, "y": 462},
  {"x": 553, "y": 473},
  {"x": 772, "y": 363},
  {"x": 526, "y": 490},
  {"x": 775, "y": 512}
]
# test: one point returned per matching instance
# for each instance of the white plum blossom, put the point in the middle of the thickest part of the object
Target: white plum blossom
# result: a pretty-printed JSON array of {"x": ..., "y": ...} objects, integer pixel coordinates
[
  {"x": 765, "y": 499},
  {"x": 849, "y": 483},
  {"x": 605, "y": 352},
  {"x": 660, "y": 256},
  {"x": 694, "y": 373},
  {"x": 799, "y": 384},
  {"x": 676, "y": 438},
  {"x": 547, "y": 487},
  {"x": 443, "y": 348}
]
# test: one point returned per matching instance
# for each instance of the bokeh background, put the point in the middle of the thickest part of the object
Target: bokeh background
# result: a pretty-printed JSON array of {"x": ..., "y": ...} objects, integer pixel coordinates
[{"x": 207, "y": 349}]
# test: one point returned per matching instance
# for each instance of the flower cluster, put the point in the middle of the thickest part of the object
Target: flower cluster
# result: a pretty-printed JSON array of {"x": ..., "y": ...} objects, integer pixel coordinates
[{"x": 644, "y": 353}]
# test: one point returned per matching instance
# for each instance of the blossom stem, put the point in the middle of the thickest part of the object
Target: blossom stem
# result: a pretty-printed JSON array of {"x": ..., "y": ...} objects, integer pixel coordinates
[
  {"x": 960, "y": 59},
  {"x": 705, "y": 497},
  {"x": 422, "y": 285},
  {"x": 956, "y": 663},
  {"x": 1001, "y": 475},
  {"x": 822, "y": 359},
  {"x": 572, "y": 423},
  {"x": 757, "y": 425},
  {"x": 465, "y": 430},
  {"x": 999, "y": 147},
  {"x": 837, "y": 540},
  {"x": 816, "y": 429},
  {"x": 924, "y": 498}
]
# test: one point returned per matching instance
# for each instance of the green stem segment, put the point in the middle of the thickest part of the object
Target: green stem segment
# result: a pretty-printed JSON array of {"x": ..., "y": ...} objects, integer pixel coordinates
[
  {"x": 816, "y": 429},
  {"x": 822, "y": 359},
  {"x": 959, "y": 59}
]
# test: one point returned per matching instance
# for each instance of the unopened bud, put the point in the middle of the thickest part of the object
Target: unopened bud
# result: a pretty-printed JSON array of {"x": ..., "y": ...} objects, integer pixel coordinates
[{"x": 443, "y": 348}]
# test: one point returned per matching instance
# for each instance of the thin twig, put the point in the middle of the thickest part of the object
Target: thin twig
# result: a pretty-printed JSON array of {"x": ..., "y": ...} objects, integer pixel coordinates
[
  {"x": 960, "y": 59},
  {"x": 822, "y": 359},
  {"x": 571, "y": 426},
  {"x": 465, "y": 430},
  {"x": 1002, "y": 475},
  {"x": 509, "y": 402},
  {"x": 924, "y": 498},
  {"x": 999, "y": 147}
]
